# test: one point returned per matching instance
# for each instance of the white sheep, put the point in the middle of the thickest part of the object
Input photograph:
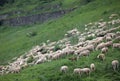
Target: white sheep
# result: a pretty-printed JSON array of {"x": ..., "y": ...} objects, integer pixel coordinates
[
  {"x": 110, "y": 43},
  {"x": 101, "y": 57},
  {"x": 41, "y": 60},
  {"x": 77, "y": 71},
  {"x": 85, "y": 53},
  {"x": 64, "y": 69},
  {"x": 100, "y": 46},
  {"x": 104, "y": 50},
  {"x": 14, "y": 69},
  {"x": 115, "y": 64},
  {"x": 90, "y": 47},
  {"x": 92, "y": 67},
  {"x": 116, "y": 45},
  {"x": 86, "y": 71},
  {"x": 108, "y": 38}
]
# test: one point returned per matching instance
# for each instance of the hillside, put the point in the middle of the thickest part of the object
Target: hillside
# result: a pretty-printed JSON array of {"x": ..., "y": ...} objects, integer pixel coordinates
[{"x": 17, "y": 41}]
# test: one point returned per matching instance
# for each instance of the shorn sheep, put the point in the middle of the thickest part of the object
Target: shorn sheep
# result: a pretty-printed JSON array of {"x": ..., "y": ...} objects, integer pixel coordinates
[
  {"x": 64, "y": 69},
  {"x": 115, "y": 64},
  {"x": 92, "y": 67}
]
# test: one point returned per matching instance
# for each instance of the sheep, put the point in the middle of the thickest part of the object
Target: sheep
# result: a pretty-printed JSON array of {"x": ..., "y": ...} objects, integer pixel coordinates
[
  {"x": 108, "y": 38},
  {"x": 77, "y": 71},
  {"x": 101, "y": 57},
  {"x": 116, "y": 45},
  {"x": 115, "y": 64},
  {"x": 92, "y": 67},
  {"x": 113, "y": 15},
  {"x": 104, "y": 50},
  {"x": 89, "y": 47},
  {"x": 100, "y": 46},
  {"x": 117, "y": 38},
  {"x": 55, "y": 56},
  {"x": 14, "y": 69},
  {"x": 64, "y": 69},
  {"x": 17, "y": 70},
  {"x": 107, "y": 44},
  {"x": 85, "y": 53},
  {"x": 112, "y": 35},
  {"x": 86, "y": 71},
  {"x": 41, "y": 60},
  {"x": 81, "y": 49}
]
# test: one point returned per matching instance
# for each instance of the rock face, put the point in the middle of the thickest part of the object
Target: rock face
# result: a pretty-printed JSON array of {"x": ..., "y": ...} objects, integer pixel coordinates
[{"x": 38, "y": 18}]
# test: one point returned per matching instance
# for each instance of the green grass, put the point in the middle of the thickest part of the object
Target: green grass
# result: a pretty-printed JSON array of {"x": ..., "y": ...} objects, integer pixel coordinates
[{"x": 15, "y": 42}]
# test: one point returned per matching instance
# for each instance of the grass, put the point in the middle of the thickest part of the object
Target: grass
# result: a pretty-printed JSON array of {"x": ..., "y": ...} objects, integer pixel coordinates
[
  {"x": 50, "y": 71},
  {"x": 15, "y": 42}
]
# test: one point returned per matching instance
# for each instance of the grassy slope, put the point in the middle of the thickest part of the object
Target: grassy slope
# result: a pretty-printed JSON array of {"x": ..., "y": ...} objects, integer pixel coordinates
[{"x": 14, "y": 42}]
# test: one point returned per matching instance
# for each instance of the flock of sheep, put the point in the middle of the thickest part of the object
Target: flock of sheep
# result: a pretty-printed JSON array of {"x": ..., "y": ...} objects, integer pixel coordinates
[
  {"x": 79, "y": 71},
  {"x": 87, "y": 71},
  {"x": 103, "y": 38}
]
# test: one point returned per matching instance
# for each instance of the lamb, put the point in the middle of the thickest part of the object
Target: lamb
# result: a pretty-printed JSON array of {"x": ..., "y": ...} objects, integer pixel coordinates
[
  {"x": 104, "y": 50},
  {"x": 101, "y": 57},
  {"x": 92, "y": 67},
  {"x": 64, "y": 69},
  {"x": 115, "y": 64}
]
